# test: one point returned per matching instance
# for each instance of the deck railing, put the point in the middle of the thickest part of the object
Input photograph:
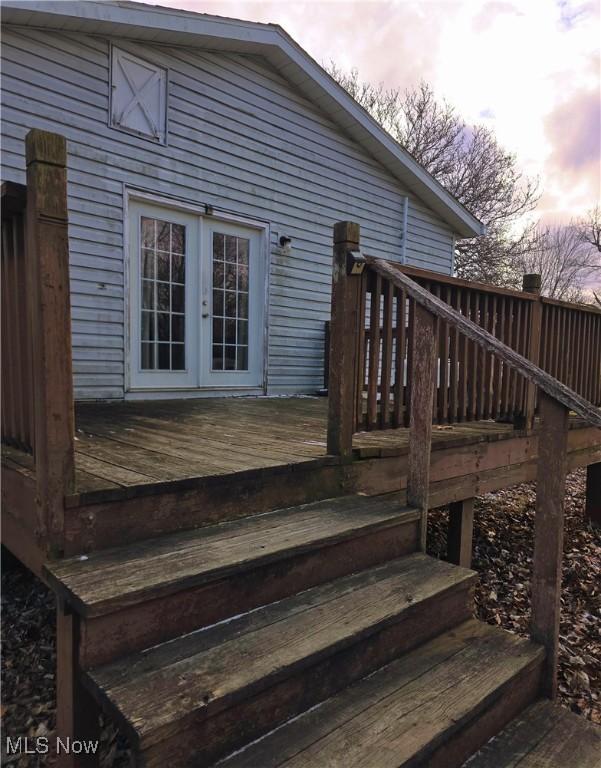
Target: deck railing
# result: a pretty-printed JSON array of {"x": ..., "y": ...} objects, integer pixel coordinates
[
  {"x": 37, "y": 384},
  {"x": 571, "y": 346},
  {"x": 471, "y": 384},
  {"x": 427, "y": 313},
  {"x": 17, "y": 397}
]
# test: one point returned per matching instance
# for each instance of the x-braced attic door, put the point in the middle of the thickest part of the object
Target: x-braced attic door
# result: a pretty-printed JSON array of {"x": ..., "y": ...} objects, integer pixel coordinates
[{"x": 138, "y": 96}]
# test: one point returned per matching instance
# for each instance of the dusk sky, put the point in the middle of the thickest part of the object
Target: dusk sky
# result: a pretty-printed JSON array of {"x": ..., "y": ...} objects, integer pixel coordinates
[{"x": 531, "y": 70}]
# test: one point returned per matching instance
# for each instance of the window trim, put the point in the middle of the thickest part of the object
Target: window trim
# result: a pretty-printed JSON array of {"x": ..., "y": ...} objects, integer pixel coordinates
[{"x": 134, "y": 195}]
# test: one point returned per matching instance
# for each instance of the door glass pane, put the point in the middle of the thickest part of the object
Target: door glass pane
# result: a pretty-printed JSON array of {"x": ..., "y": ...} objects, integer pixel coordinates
[
  {"x": 230, "y": 302},
  {"x": 162, "y": 311}
]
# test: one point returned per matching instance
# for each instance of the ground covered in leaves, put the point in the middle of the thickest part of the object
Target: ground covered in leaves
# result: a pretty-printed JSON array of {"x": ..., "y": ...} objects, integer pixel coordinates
[
  {"x": 28, "y": 670},
  {"x": 503, "y": 539},
  {"x": 503, "y": 543}
]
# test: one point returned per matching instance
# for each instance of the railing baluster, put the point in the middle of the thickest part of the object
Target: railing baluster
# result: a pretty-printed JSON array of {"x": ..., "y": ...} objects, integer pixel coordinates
[
  {"x": 497, "y": 365},
  {"x": 361, "y": 352},
  {"x": 453, "y": 362},
  {"x": 374, "y": 353},
  {"x": 387, "y": 340},
  {"x": 399, "y": 363},
  {"x": 444, "y": 352},
  {"x": 463, "y": 360}
]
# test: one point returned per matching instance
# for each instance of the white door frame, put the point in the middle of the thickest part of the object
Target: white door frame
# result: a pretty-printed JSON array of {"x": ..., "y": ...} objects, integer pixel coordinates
[{"x": 142, "y": 198}]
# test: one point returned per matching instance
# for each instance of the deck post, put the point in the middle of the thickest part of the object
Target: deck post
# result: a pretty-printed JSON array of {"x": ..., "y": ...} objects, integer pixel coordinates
[
  {"x": 593, "y": 493},
  {"x": 47, "y": 259},
  {"x": 460, "y": 532},
  {"x": 77, "y": 714},
  {"x": 423, "y": 360},
  {"x": 344, "y": 330},
  {"x": 548, "y": 534},
  {"x": 531, "y": 284}
]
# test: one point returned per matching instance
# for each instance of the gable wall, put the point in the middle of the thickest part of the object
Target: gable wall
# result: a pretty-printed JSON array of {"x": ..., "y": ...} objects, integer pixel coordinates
[{"x": 240, "y": 139}]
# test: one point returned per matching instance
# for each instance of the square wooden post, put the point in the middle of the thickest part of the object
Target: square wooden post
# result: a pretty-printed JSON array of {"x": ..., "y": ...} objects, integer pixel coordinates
[
  {"x": 77, "y": 714},
  {"x": 423, "y": 369},
  {"x": 47, "y": 260},
  {"x": 344, "y": 330},
  {"x": 593, "y": 493},
  {"x": 548, "y": 533},
  {"x": 460, "y": 532},
  {"x": 531, "y": 284}
]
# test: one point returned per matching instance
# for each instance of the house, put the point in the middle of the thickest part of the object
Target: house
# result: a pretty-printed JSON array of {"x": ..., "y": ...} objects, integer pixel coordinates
[
  {"x": 243, "y": 582},
  {"x": 208, "y": 159}
]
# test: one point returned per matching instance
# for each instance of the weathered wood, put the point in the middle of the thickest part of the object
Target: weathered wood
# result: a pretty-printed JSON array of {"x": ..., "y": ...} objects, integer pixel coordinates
[
  {"x": 344, "y": 329},
  {"x": 393, "y": 718},
  {"x": 154, "y": 621},
  {"x": 532, "y": 372},
  {"x": 387, "y": 341},
  {"x": 548, "y": 534},
  {"x": 544, "y": 736},
  {"x": 306, "y": 646},
  {"x": 47, "y": 255},
  {"x": 423, "y": 343},
  {"x": 146, "y": 570},
  {"x": 593, "y": 493},
  {"x": 460, "y": 531},
  {"x": 373, "y": 365},
  {"x": 326, "y": 354},
  {"x": 77, "y": 714},
  {"x": 531, "y": 284},
  {"x": 101, "y": 518}
]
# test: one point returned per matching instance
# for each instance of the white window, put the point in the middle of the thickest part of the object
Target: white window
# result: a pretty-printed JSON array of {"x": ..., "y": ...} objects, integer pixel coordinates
[{"x": 138, "y": 96}]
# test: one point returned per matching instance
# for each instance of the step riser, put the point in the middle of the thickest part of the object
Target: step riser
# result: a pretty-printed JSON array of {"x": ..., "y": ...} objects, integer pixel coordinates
[
  {"x": 512, "y": 698},
  {"x": 105, "y": 638},
  {"x": 200, "y": 742}
]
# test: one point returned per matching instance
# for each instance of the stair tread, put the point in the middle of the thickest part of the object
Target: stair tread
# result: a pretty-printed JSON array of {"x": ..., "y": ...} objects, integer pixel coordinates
[
  {"x": 112, "y": 579},
  {"x": 206, "y": 671},
  {"x": 544, "y": 736},
  {"x": 405, "y": 710}
]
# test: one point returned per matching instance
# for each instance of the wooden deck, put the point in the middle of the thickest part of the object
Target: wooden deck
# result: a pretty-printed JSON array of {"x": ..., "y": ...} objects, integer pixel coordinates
[
  {"x": 129, "y": 444},
  {"x": 149, "y": 468},
  {"x": 125, "y": 444}
]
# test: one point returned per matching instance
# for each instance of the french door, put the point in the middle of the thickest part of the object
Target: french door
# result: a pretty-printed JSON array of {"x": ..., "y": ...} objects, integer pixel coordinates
[{"x": 197, "y": 298}]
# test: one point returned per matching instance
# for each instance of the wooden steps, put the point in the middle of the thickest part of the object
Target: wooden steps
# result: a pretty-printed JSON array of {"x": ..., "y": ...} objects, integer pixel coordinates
[
  {"x": 190, "y": 701},
  {"x": 544, "y": 736},
  {"x": 431, "y": 707},
  {"x": 138, "y": 595}
]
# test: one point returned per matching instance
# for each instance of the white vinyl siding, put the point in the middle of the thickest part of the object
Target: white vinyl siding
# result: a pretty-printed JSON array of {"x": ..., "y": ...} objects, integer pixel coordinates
[{"x": 240, "y": 139}]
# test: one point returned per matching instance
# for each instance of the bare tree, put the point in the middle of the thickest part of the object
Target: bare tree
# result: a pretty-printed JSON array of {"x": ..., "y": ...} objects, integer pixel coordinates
[
  {"x": 566, "y": 259},
  {"x": 590, "y": 227},
  {"x": 467, "y": 161}
]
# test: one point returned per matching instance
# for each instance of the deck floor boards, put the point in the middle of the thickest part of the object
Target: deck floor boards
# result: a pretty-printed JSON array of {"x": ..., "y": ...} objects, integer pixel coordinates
[{"x": 124, "y": 444}]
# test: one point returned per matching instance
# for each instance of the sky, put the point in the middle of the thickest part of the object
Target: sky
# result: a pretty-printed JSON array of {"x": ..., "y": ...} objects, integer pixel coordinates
[{"x": 530, "y": 70}]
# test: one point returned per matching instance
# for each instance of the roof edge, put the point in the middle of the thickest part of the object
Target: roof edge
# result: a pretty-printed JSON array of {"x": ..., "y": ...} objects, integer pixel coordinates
[{"x": 175, "y": 26}]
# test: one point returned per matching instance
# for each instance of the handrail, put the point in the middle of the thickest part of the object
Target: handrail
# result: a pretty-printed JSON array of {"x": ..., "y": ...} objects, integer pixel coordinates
[
  {"x": 427, "y": 312},
  {"x": 552, "y": 386},
  {"x": 459, "y": 282}
]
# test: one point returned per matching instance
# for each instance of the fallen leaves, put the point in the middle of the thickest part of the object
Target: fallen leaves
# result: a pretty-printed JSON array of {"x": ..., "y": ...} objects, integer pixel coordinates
[
  {"x": 28, "y": 670},
  {"x": 502, "y": 555}
]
